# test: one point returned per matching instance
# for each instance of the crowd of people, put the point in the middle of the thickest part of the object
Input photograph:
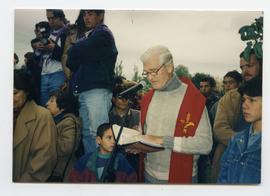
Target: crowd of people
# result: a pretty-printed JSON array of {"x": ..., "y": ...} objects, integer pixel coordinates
[{"x": 67, "y": 97}]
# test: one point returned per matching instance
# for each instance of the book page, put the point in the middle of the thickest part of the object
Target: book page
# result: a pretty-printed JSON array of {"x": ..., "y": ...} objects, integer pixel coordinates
[{"x": 128, "y": 135}]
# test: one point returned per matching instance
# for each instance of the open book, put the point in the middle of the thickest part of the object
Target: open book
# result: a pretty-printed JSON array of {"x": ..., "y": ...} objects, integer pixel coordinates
[{"x": 132, "y": 139}]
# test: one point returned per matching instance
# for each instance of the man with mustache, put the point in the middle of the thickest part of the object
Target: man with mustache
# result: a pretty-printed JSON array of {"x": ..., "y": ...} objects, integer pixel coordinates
[{"x": 229, "y": 117}]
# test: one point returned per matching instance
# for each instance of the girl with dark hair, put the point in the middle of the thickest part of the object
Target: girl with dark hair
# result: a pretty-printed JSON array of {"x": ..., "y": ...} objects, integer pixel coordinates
[
  {"x": 64, "y": 109},
  {"x": 34, "y": 134}
]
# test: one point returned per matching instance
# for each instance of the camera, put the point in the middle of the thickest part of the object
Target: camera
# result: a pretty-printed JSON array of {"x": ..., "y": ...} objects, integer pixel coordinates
[{"x": 44, "y": 36}]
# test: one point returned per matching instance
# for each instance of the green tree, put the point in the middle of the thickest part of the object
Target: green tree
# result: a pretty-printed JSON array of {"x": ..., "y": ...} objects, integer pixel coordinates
[
  {"x": 136, "y": 76},
  {"x": 181, "y": 71},
  {"x": 119, "y": 69},
  {"x": 253, "y": 36}
]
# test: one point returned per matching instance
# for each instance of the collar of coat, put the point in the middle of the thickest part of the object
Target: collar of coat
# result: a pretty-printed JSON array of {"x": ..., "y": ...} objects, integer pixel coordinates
[{"x": 26, "y": 116}]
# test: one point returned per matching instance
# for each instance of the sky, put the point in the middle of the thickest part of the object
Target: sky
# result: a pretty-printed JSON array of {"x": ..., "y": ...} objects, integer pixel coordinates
[{"x": 204, "y": 41}]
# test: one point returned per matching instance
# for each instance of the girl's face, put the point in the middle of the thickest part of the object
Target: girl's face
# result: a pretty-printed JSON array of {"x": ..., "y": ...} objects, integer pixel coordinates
[
  {"x": 52, "y": 106},
  {"x": 19, "y": 98}
]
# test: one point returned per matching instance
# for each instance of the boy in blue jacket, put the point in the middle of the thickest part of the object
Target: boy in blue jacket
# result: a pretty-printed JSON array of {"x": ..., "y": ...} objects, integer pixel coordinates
[
  {"x": 241, "y": 162},
  {"x": 91, "y": 166}
]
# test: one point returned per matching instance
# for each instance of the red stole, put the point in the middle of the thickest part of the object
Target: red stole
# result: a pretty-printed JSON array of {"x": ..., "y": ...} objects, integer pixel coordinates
[{"x": 191, "y": 109}]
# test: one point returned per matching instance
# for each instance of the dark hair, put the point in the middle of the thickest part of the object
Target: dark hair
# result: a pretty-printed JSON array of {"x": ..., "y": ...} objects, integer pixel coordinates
[
  {"x": 31, "y": 63},
  {"x": 43, "y": 24},
  {"x": 235, "y": 75},
  {"x": 67, "y": 101},
  {"x": 103, "y": 128},
  {"x": 22, "y": 81},
  {"x": 29, "y": 55},
  {"x": 118, "y": 89},
  {"x": 252, "y": 87},
  {"x": 80, "y": 22},
  {"x": 58, "y": 14},
  {"x": 16, "y": 58},
  {"x": 260, "y": 60},
  {"x": 210, "y": 80},
  {"x": 97, "y": 11}
]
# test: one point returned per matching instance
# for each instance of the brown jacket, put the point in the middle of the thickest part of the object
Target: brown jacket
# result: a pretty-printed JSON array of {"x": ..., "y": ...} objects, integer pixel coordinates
[
  {"x": 34, "y": 144},
  {"x": 227, "y": 115},
  {"x": 66, "y": 130},
  {"x": 70, "y": 40}
]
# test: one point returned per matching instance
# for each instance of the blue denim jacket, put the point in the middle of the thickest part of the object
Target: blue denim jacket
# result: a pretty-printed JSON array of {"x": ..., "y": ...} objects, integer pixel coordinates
[{"x": 240, "y": 163}]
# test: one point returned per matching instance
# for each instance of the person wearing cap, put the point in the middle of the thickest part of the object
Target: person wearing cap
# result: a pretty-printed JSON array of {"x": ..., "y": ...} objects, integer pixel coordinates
[
  {"x": 119, "y": 109},
  {"x": 173, "y": 114},
  {"x": 117, "y": 116}
]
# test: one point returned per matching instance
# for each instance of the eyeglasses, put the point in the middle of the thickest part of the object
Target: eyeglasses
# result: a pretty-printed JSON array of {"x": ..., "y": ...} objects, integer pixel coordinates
[
  {"x": 152, "y": 73},
  {"x": 246, "y": 66}
]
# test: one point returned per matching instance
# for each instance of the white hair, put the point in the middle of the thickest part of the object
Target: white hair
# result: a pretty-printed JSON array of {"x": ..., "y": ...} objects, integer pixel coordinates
[{"x": 164, "y": 54}]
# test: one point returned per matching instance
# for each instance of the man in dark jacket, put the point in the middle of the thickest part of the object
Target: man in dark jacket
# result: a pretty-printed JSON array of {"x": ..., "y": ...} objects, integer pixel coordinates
[{"x": 93, "y": 57}]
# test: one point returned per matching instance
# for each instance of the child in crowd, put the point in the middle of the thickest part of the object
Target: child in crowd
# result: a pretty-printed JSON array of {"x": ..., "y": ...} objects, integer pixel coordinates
[
  {"x": 90, "y": 167},
  {"x": 241, "y": 162}
]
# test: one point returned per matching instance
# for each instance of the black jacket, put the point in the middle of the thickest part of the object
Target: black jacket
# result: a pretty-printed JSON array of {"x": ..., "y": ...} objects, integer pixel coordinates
[{"x": 94, "y": 59}]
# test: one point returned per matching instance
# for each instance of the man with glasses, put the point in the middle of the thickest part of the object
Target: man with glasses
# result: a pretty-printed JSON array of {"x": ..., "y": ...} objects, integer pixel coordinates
[{"x": 173, "y": 114}]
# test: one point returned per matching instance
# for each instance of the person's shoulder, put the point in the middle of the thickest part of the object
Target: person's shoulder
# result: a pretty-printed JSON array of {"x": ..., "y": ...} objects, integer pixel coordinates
[
  {"x": 123, "y": 164},
  {"x": 121, "y": 160},
  {"x": 231, "y": 96},
  {"x": 81, "y": 163},
  {"x": 244, "y": 132},
  {"x": 102, "y": 30},
  {"x": 240, "y": 136},
  {"x": 40, "y": 111},
  {"x": 215, "y": 96},
  {"x": 70, "y": 117},
  {"x": 75, "y": 118},
  {"x": 134, "y": 111}
]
